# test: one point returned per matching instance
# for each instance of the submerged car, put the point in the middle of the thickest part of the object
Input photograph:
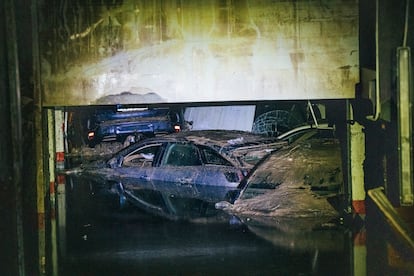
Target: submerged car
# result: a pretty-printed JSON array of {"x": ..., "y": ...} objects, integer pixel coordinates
[
  {"x": 295, "y": 190},
  {"x": 244, "y": 148},
  {"x": 118, "y": 124},
  {"x": 168, "y": 176},
  {"x": 181, "y": 175}
]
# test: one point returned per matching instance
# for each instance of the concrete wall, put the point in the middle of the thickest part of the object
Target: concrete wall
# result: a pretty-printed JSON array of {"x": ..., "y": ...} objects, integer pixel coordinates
[
  {"x": 198, "y": 51},
  {"x": 12, "y": 261}
]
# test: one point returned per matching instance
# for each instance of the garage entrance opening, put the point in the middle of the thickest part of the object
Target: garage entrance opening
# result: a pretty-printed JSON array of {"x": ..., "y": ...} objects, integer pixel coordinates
[{"x": 117, "y": 218}]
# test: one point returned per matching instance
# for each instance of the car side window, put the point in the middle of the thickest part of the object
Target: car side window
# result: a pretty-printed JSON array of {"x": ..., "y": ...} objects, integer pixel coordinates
[
  {"x": 182, "y": 155},
  {"x": 141, "y": 157},
  {"x": 213, "y": 158}
]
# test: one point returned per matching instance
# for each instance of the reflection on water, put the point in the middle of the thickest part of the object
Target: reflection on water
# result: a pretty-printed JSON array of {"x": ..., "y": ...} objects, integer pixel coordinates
[
  {"x": 330, "y": 238},
  {"x": 145, "y": 245},
  {"x": 102, "y": 241}
]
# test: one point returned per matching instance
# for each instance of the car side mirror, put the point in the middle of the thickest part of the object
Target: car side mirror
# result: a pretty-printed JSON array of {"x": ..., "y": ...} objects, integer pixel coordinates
[{"x": 223, "y": 205}]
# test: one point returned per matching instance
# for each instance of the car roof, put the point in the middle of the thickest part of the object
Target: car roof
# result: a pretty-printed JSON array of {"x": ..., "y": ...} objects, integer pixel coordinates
[
  {"x": 224, "y": 138},
  {"x": 222, "y": 141},
  {"x": 113, "y": 115}
]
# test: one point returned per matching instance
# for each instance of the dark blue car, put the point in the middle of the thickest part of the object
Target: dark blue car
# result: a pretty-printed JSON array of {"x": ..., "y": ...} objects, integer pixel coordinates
[{"x": 117, "y": 125}]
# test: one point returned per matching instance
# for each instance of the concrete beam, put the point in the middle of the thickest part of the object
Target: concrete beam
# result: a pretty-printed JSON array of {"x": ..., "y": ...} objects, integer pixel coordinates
[{"x": 167, "y": 51}]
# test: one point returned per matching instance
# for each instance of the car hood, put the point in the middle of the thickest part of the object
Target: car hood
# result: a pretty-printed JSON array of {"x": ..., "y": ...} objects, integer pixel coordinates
[{"x": 86, "y": 167}]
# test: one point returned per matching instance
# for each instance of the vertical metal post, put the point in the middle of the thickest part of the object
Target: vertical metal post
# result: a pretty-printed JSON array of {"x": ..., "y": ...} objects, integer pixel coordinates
[{"x": 53, "y": 231}]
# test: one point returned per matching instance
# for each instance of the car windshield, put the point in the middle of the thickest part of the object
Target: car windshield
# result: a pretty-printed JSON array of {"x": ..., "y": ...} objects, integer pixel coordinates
[{"x": 182, "y": 155}]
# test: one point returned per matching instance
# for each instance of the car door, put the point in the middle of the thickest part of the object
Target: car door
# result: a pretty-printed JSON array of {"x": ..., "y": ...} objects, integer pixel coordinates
[
  {"x": 218, "y": 179},
  {"x": 180, "y": 164},
  {"x": 137, "y": 168}
]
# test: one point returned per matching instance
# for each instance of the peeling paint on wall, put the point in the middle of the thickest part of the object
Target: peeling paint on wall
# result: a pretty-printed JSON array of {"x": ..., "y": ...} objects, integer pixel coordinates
[{"x": 198, "y": 51}]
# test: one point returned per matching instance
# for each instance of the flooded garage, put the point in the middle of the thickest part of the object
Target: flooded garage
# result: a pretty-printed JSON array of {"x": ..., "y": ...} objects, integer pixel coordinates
[
  {"x": 167, "y": 137},
  {"x": 100, "y": 238},
  {"x": 289, "y": 219}
]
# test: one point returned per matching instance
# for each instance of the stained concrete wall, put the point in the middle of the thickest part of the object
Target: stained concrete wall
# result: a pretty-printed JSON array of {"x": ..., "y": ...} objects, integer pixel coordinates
[{"x": 142, "y": 51}]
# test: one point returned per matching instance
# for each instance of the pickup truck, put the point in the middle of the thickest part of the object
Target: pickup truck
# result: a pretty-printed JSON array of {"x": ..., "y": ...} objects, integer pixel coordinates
[{"x": 108, "y": 125}]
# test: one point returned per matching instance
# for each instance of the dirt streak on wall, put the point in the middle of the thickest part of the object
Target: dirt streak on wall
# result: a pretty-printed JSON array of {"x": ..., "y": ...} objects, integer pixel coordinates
[{"x": 186, "y": 51}]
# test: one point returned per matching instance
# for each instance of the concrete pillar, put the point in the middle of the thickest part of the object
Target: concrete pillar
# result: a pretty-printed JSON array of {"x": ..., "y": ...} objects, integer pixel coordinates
[
  {"x": 53, "y": 232},
  {"x": 60, "y": 165},
  {"x": 359, "y": 254},
  {"x": 13, "y": 259},
  {"x": 357, "y": 156}
]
